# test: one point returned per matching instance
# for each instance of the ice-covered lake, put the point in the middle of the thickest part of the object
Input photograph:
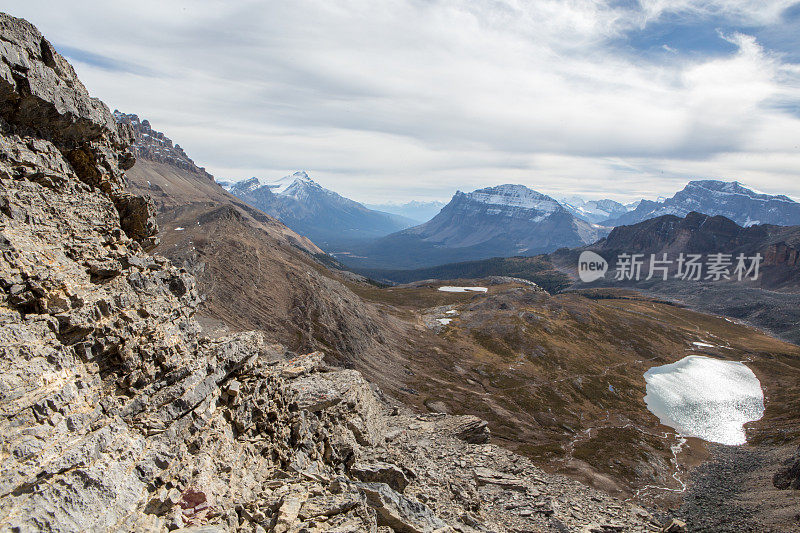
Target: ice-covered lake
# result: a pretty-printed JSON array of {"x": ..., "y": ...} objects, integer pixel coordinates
[{"x": 704, "y": 397}]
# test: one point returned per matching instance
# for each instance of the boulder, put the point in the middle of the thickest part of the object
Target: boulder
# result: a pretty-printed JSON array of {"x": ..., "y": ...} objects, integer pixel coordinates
[
  {"x": 287, "y": 513},
  {"x": 379, "y": 472},
  {"x": 473, "y": 430},
  {"x": 402, "y": 514},
  {"x": 788, "y": 477},
  {"x": 315, "y": 393},
  {"x": 487, "y": 476},
  {"x": 675, "y": 526}
]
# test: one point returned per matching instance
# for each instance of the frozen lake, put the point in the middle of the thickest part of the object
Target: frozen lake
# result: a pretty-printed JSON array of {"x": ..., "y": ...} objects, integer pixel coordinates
[{"x": 703, "y": 397}]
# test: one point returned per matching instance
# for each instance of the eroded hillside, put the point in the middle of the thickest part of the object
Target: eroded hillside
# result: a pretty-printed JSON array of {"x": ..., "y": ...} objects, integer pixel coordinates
[
  {"x": 253, "y": 272},
  {"x": 559, "y": 378}
]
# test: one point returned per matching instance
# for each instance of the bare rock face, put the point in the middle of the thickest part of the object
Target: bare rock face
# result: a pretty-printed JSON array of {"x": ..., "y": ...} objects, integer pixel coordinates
[
  {"x": 155, "y": 146},
  {"x": 42, "y": 98},
  {"x": 116, "y": 415}
]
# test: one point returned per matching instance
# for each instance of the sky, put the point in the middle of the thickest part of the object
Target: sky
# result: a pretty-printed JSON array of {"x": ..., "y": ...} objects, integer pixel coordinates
[{"x": 394, "y": 100}]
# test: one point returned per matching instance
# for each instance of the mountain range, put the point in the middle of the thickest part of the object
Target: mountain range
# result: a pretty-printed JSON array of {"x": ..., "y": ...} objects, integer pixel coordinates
[
  {"x": 744, "y": 206},
  {"x": 502, "y": 221},
  {"x": 327, "y": 218},
  {"x": 512, "y": 220},
  {"x": 595, "y": 211}
]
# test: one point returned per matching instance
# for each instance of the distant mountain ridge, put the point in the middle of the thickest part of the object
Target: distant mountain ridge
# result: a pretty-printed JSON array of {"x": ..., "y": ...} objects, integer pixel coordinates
[
  {"x": 699, "y": 233},
  {"x": 772, "y": 302},
  {"x": 415, "y": 209},
  {"x": 504, "y": 220},
  {"x": 744, "y": 206},
  {"x": 594, "y": 211},
  {"x": 326, "y": 217}
]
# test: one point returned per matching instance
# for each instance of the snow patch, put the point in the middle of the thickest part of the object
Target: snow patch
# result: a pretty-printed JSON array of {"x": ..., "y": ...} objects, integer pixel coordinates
[
  {"x": 515, "y": 196},
  {"x": 449, "y": 288},
  {"x": 703, "y": 345}
]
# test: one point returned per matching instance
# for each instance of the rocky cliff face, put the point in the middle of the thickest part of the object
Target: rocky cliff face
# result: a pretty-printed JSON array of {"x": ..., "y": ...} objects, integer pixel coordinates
[
  {"x": 155, "y": 146},
  {"x": 116, "y": 415},
  {"x": 782, "y": 253},
  {"x": 41, "y": 98}
]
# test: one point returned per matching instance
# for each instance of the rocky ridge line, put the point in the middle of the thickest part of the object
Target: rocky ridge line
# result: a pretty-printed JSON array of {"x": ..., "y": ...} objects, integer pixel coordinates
[
  {"x": 155, "y": 146},
  {"x": 117, "y": 415}
]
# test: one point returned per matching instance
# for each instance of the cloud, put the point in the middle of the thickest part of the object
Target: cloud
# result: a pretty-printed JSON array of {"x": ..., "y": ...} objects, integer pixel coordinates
[
  {"x": 103, "y": 62},
  {"x": 418, "y": 98},
  {"x": 746, "y": 12}
]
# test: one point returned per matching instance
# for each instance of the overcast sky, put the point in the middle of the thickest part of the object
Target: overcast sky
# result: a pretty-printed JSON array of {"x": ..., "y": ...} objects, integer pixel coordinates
[{"x": 415, "y": 99}]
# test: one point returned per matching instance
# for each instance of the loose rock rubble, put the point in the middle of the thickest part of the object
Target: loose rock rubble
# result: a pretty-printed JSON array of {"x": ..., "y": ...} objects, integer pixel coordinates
[
  {"x": 117, "y": 415},
  {"x": 788, "y": 477}
]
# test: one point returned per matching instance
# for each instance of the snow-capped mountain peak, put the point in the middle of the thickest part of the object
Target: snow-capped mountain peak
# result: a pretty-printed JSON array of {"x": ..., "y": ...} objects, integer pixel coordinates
[
  {"x": 316, "y": 212},
  {"x": 730, "y": 199},
  {"x": 506, "y": 220},
  {"x": 593, "y": 211},
  {"x": 248, "y": 185},
  {"x": 573, "y": 201},
  {"x": 734, "y": 188},
  {"x": 292, "y": 184},
  {"x": 518, "y": 196}
]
